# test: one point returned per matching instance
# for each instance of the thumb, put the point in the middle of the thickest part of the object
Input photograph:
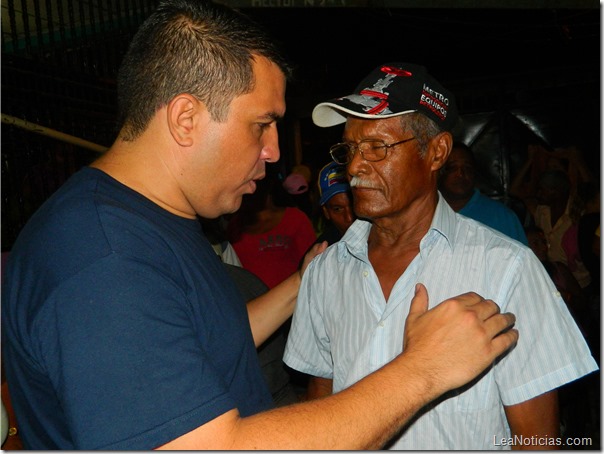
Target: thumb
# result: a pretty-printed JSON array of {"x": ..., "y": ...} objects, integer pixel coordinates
[{"x": 419, "y": 303}]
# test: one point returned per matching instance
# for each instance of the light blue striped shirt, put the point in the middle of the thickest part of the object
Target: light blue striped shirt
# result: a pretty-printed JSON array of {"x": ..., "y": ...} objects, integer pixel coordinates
[{"x": 344, "y": 329}]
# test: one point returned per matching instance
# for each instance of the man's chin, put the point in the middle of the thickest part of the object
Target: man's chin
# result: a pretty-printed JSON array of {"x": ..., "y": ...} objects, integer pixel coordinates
[{"x": 235, "y": 206}]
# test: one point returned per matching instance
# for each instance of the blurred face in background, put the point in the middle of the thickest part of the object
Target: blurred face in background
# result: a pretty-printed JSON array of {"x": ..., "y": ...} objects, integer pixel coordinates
[
  {"x": 338, "y": 210},
  {"x": 457, "y": 176}
]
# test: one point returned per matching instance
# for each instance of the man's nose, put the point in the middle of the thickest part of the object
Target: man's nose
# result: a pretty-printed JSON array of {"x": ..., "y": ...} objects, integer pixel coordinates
[
  {"x": 270, "y": 148},
  {"x": 349, "y": 214}
]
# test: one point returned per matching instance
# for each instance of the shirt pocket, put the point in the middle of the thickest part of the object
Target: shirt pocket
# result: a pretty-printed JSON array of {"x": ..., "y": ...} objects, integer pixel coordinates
[{"x": 479, "y": 395}]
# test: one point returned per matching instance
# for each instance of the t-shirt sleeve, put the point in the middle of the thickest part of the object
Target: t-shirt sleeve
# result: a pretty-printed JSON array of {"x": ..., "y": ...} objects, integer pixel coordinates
[{"x": 129, "y": 365}]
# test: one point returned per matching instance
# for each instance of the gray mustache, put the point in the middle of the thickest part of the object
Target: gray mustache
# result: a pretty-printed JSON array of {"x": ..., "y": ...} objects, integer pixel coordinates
[{"x": 356, "y": 182}]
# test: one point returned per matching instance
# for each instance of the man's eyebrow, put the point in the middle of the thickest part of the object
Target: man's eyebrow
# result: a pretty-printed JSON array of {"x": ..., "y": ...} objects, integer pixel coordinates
[{"x": 273, "y": 116}]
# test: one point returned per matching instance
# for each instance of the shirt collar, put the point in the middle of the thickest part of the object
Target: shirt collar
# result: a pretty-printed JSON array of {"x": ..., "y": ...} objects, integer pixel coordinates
[
  {"x": 444, "y": 223},
  {"x": 354, "y": 241}
]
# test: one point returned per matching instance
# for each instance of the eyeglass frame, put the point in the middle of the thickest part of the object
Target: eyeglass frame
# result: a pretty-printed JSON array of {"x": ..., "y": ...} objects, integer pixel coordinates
[{"x": 350, "y": 154}]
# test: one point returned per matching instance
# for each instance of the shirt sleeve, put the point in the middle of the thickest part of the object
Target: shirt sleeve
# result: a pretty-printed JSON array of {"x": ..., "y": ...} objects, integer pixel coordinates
[
  {"x": 551, "y": 350},
  {"x": 308, "y": 347}
]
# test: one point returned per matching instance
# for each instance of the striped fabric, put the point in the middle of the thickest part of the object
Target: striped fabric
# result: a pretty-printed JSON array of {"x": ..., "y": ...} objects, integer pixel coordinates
[{"x": 344, "y": 329}]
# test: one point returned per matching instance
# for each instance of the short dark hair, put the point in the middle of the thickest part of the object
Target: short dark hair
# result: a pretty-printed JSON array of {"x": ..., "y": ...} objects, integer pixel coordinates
[{"x": 190, "y": 46}]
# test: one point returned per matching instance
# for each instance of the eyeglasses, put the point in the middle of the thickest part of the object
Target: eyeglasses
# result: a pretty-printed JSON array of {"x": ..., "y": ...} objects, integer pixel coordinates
[{"x": 371, "y": 150}]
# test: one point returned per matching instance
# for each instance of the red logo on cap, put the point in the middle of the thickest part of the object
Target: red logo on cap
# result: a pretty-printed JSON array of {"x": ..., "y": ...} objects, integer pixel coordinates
[
  {"x": 379, "y": 87},
  {"x": 396, "y": 71},
  {"x": 374, "y": 94}
]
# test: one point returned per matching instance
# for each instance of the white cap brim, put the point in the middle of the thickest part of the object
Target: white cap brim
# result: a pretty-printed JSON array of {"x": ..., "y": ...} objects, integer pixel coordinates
[{"x": 327, "y": 114}]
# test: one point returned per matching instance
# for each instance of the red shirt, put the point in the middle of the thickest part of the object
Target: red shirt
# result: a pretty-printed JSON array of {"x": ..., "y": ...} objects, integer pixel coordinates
[{"x": 273, "y": 256}]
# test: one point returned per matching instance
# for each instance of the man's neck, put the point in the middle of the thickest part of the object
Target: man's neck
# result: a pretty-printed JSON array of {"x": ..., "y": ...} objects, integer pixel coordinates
[
  {"x": 404, "y": 230},
  {"x": 135, "y": 164}
]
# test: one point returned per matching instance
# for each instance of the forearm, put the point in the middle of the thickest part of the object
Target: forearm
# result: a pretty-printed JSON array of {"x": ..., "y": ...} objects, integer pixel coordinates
[
  {"x": 269, "y": 311},
  {"x": 364, "y": 416},
  {"x": 537, "y": 419}
]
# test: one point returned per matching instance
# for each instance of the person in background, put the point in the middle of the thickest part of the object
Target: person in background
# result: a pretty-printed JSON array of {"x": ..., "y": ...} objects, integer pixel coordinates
[
  {"x": 580, "y": 242},
  {"x": 556, "y": 212},
  {"x": 215, "y": 231},
  {"x": 560, "y": 274},
  {"x": 524, "y": 185},
  {"x": 269, "y": 234},
  {"x": 457, "y": 184},
  {"x": 397, "y": 137},
  {"x": 335, "y": 200},
  {"x": 121, "y": 329}
]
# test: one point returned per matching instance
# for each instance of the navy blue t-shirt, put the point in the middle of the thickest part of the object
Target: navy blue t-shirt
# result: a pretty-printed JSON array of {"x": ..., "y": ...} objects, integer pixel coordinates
[{"x": 121, "y": 328}]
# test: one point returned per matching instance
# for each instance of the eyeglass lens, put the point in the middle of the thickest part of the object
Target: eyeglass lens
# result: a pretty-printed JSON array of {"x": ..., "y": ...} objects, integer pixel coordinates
[{"x": 371, "y": 150}]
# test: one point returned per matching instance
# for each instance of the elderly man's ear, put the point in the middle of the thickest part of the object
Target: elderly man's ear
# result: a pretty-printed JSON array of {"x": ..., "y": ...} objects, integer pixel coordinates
[{"x": 440, "y": 148}]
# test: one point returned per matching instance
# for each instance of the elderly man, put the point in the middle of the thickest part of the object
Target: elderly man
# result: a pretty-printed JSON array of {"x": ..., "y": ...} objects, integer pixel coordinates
[{"x": 396, "y": 139}]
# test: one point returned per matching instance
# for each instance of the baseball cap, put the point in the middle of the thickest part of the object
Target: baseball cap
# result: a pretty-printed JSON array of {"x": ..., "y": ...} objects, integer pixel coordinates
[
  {"x": 303, "y": 170},
  {"x": 390, "y": 90},
  {"x": 332, "y": 181},
  {"x": 295, "y": 184}
]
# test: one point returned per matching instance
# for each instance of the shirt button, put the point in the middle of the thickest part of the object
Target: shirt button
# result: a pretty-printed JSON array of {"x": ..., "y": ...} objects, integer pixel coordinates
[
  {"x": 381, "y": 324},
  {"x": 365, "y": 274}
]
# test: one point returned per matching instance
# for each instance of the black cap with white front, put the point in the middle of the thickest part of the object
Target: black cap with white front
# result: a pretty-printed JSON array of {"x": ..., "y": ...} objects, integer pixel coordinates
[{"x": 391, "y": 90}]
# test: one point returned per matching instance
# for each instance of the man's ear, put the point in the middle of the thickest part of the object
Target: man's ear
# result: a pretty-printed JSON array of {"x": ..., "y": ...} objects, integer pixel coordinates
[
  {"x": 183, "y": 113},
  {"x": 441, "y": 148}
]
